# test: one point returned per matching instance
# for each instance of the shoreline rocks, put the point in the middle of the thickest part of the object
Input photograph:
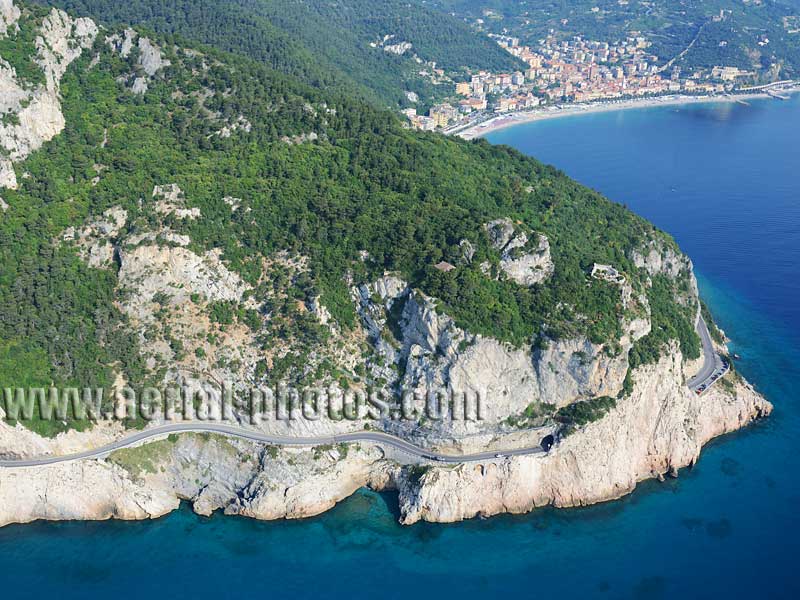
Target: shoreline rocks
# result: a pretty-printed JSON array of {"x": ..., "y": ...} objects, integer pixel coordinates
[{"x": 660, "y": 428}]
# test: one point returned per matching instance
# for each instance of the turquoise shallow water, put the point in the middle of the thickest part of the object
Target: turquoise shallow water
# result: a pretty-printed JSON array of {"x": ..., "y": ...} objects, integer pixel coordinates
[{"x": 725, "y": 181}]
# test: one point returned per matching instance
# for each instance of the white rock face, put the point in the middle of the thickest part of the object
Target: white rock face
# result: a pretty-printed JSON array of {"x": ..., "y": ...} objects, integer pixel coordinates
[
  {"x": 87, "y": 491},
  {"x": 503, "y": 375},
  {"x": 276, "y": 495},
  {"x": 439, "y": 356},
  {"x": 139, "y": 86},
  {"x": 658, "y": 429},
  {"x": 38, "y": 123},
  {"x": 294, "y": 140},
  {"x": 524, "y": 263},
  {"x": 63, "y": 40},
  {"x": 242, "y": 123},
  {"x": 11, "y": 93},
  {"x": 571, "y": 370},
  {"x": 154, "y": 276},
  {"x": 500, "y": 232},
  {"x": 171, "y": 200},
  {"x": 8, "y": 178},
  {"x": 234, "y": 203},
  {"x": 531, "y": 268},
  {"x": 95, "y": 240},
  {"x": 9, "y": 15},
  {"x": 657, "y": 258},
  {"x": 122, "y": 43},
  {"x": 150, "y": 59},
  {"x": 399, "y": 49},
  {"x": 178, "y": 273},
  {"x": 37, "y": 112}
]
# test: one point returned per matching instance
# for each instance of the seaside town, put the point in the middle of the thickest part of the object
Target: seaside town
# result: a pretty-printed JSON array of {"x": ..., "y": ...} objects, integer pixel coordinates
[{"x": 571, "y": 71}]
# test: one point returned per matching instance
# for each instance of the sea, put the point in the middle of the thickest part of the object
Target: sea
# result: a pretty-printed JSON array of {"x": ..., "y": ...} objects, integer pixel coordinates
[{"x": 724, "y": 180}]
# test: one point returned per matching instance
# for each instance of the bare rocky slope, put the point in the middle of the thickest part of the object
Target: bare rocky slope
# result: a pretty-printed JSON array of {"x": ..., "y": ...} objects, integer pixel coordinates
[{"x": 170, "y": 290}]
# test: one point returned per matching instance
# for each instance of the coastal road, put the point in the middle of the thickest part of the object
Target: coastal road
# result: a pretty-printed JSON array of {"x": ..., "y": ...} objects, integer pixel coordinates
[
  {"x": 381, "y": 439},
  {"x": 713, "y": 367}
]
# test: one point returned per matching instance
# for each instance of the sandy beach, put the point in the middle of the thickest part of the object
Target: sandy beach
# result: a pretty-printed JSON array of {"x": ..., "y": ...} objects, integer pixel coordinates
[{"x": 570, "y": 110}]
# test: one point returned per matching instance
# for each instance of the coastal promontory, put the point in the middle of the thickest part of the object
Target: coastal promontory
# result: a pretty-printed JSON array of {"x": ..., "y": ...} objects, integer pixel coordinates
[{"x": 179, "y": 217}]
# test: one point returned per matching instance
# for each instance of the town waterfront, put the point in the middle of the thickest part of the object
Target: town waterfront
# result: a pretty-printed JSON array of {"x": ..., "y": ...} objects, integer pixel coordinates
[
  {"x": 723, "y": 179},
  {"x": 485, "y": 127}
]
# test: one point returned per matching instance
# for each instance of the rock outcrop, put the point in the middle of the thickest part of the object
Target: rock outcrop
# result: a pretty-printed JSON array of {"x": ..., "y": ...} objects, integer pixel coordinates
[
  {"x": 33, "y": 114},
  {"x": 524, "y": 259},
  {"x": 87, "y": 491},
  {"x": 95, "y": 241},
  {"x": 171, "y": 201},
  {"x": 437, "y": 355},
  {"x": 280, "y": 492},
  {"x": 177, "y": 273},
  {"x": 9, "y": 15},
  {"x": 149, "y": 59},
  {"x": 660, "y": 428},
  {"x": 658, "y": 258},
  {"x": 8, "y": 177}
]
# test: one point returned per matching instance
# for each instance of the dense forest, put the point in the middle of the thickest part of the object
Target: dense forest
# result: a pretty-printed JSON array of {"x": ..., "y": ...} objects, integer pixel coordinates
[{"x": 321, "y": 42}]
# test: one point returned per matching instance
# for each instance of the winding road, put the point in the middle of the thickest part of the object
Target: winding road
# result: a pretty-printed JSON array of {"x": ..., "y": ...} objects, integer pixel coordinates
[
  {"x": 712, "y": 365},
  {"x": 376, "y": 437}
]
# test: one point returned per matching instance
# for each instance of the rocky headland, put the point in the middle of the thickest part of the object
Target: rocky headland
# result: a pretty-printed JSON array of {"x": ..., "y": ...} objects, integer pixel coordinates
[{"x": 196, "y": 317}]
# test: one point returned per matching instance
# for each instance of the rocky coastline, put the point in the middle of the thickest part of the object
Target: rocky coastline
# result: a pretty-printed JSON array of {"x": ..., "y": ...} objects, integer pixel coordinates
[
  {"x": 402, "y": 339},
  {"x": 660, "y": 428}
]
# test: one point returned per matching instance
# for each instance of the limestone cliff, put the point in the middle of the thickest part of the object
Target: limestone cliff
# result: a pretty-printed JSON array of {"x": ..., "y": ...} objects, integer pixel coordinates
[
  {"x": 79, "y": 491},
  {"x": 658, "y": 429},
  {"x": 524, "y": 258},
  {"x": 9, "y": 14},
  {"x": 32, "y": 113}
]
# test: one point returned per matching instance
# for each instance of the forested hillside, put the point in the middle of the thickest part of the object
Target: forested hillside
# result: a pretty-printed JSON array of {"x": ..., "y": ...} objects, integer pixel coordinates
[
  {"x": 313, "y": 174},
  {"x": 321, "y": 42}
]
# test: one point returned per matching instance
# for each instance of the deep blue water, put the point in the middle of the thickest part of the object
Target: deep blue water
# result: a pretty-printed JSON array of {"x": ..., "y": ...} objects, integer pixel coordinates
[{"x": 725, "y": 181}]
